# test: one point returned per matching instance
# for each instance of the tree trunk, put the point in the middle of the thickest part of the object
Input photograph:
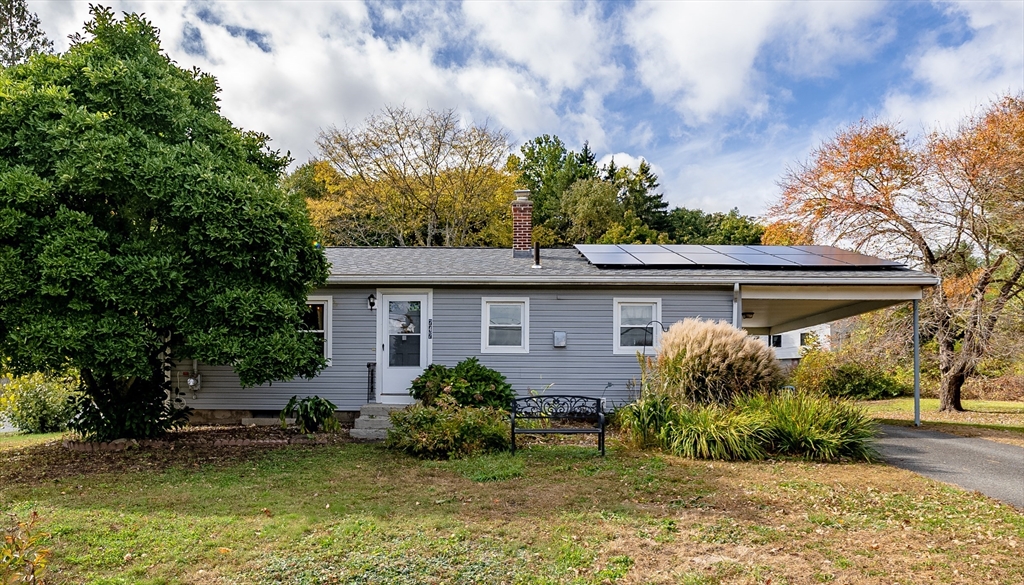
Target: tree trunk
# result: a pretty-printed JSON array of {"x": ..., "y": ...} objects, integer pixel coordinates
[{"x": 949, "y": 391}]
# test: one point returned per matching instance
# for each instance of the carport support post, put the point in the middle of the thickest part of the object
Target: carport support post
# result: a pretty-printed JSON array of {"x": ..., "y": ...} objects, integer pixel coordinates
[{"x": 917, "y": 369}]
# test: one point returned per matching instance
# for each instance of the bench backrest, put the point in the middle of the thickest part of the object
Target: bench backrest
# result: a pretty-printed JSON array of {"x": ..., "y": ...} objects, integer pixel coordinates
[{"x": 558, "y": 406}]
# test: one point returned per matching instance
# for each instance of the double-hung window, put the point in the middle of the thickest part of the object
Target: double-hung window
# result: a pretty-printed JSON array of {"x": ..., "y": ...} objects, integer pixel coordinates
[
  {"x": 637, "y": 325},
  {"x": 317, "y": 321},
  {"x": 506, "y": 325}
]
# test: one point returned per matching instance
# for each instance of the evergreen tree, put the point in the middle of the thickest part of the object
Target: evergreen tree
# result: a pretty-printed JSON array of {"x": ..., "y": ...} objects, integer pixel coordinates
[
  {"x": 638, "y": 193},
  {"x": 548, "y": 169},
  {"x": 20, "y": 35}
]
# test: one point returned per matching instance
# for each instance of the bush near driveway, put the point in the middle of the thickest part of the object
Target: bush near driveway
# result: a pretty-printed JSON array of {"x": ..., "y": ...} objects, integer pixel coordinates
[{"x": 790, "y": 424}]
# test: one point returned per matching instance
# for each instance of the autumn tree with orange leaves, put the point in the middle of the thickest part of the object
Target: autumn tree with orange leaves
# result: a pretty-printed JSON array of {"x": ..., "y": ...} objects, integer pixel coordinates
[{"x": 950, "y": 204}]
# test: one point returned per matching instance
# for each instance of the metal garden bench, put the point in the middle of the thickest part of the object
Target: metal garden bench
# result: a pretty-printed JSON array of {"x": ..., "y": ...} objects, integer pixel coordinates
[{"x": 559, "y": 415}]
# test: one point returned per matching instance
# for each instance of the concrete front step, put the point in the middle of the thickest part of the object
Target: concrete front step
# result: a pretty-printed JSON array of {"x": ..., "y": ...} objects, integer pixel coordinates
[
  {"x": 369, "y": 434},
  {"x": 373, "y": 422},
  {"x": 375, "y": 409}
]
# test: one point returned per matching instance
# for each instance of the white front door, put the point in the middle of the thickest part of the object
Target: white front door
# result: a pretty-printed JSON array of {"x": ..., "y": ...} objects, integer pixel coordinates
[{"x": 404, "y": 321}]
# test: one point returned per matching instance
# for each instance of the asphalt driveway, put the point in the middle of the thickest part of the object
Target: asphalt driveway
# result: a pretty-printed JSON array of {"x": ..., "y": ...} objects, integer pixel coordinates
[{"x": 994, "y": 469}]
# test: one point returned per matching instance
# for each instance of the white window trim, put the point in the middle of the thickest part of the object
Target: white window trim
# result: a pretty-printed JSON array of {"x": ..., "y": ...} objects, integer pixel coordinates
[
  {"x": 484, "y": 345},
  {"x": 617, "y": 303},
  {"x": 328, "y": 303}
]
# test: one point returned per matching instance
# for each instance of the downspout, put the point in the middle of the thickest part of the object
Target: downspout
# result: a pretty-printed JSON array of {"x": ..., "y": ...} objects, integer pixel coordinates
[{"x": 737, "y": 307}]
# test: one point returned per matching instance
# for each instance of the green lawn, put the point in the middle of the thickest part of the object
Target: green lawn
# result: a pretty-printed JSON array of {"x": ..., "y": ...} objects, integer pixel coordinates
[
  {"x": 355, "y": 513},
  {"x": 906, "y": 405},
  {"x": 14, "y": 440}
]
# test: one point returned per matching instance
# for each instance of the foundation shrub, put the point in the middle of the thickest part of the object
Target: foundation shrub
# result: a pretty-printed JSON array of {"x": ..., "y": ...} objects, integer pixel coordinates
[
  {"x": 836, "y": 375},
  {"x": 705, "y": 362},
  {"x": 469, "y": 383},
  {"x": 446, "y": 430},
  {"x": 38, "y": 403}
]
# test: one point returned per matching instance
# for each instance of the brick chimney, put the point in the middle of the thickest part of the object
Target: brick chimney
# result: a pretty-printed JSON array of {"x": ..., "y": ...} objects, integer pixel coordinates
[{"x": 522, "y": 225}]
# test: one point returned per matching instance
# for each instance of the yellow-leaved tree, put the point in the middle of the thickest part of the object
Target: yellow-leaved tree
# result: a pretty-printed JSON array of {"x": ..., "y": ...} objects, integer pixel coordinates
[{"x": 407, "y": 178}]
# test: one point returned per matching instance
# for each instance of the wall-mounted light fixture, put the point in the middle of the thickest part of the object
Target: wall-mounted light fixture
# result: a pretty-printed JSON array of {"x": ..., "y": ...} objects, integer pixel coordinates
[
  {"x": 748, "y": 314},
  {"x": 371, "y": 302}
]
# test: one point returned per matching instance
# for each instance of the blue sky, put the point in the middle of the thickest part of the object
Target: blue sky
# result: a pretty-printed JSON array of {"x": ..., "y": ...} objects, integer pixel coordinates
[{"x": 720, "y": 97}]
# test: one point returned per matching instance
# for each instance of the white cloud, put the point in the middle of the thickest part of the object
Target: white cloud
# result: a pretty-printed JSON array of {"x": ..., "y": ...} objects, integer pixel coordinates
[
  {"x": 702, "y": 57},
  {"x": 563, "y": 44},
  {"x": 954, "y": 80}
]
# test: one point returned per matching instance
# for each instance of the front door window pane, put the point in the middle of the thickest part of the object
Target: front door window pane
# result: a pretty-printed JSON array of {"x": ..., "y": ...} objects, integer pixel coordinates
[{"x": 404, "y": 332}]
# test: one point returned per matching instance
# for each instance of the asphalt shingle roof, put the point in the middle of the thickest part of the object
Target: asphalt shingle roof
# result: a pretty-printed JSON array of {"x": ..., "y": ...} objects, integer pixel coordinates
[{"x": 437, "y": 266}]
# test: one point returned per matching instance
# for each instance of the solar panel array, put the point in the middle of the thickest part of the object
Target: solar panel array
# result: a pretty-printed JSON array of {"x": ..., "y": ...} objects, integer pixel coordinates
[{"x": 694, "y": 256}]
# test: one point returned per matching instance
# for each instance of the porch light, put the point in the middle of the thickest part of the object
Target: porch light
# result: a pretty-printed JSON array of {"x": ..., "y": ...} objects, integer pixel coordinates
[{"x": 371, "y": 302}]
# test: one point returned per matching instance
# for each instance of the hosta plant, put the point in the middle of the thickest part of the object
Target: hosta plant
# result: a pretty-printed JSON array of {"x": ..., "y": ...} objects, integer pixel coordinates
[{"x": 311, "y": 413}]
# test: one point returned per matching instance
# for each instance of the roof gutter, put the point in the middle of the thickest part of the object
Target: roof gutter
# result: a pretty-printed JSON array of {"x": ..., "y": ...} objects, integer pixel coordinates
[{"x": 408, "y": 280}]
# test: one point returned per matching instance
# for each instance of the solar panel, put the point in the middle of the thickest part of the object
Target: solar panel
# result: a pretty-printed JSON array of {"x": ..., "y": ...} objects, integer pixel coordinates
[
  {"x": 613, "y": 259},
  {"x": 686, "y": 249},
  {"x": 689, "y": 255},
  {"x": 709, "y": 259},
  {"x": 760, "y": 259},
  {"x": 662, "y": 259},
  {"x": 732, "y": 249},
  {"x": 599, "y": 248},
  {"x": 862, "y": 260}
]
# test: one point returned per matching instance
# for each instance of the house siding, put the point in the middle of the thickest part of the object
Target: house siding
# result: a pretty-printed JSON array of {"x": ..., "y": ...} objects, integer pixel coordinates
[{"x": 586, "y": 366}]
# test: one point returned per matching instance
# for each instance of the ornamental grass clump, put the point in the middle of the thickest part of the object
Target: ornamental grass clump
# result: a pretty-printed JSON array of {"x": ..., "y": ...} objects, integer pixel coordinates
[
  {"x": 814, "y": 427},
  {"x": 705, "y": 362},
  {"x": 702, "y": 431}
]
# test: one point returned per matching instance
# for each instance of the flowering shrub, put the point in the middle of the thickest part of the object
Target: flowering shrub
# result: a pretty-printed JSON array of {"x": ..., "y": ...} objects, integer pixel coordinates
[{"x": 469, "y": 383}]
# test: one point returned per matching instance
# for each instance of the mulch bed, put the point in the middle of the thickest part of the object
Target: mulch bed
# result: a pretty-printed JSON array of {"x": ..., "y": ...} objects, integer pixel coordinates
[{"x": 188, "y": 447}]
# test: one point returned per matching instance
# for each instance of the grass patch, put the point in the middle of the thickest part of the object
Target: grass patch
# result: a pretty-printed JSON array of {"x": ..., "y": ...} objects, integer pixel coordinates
[
  {"x": 1001, "y": 421},
  {"x": 356, "y": 513},
  {"x": 906, "y": 405},
  {"x": 497, "y": 467},
  {"x": 18, "y": 440}
]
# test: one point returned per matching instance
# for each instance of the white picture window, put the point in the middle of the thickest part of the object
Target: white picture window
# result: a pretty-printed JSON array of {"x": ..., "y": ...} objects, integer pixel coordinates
[
  {"x": 506, "y": 325},
  {"x": 317, "y": 321},
  {"x": 637, "y": 325}
]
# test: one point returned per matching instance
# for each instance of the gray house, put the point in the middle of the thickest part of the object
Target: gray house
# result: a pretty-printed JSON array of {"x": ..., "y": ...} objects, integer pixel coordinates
[{"x": 571, "y": 323}]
